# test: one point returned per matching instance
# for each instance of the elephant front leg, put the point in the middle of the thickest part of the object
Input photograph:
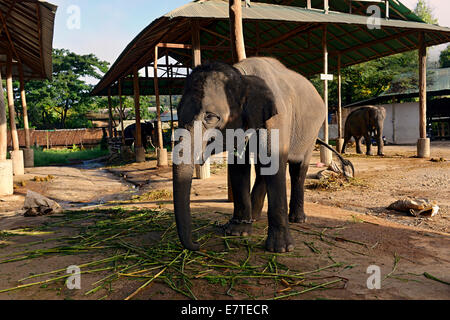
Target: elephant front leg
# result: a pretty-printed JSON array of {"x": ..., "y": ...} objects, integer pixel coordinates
[
  {"x": 380, "y": 144},
  {"x": 368, "y": 139},
  {"x": 358, "y": 145},
  {"x": 241, "y": 223},
  {"x": 279, "y": 238}
]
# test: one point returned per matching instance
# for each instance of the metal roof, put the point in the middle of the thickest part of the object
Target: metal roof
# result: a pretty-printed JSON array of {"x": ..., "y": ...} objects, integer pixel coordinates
[
  {"x": 291, "y": 34},
  {"x": 27, "y": 30}
]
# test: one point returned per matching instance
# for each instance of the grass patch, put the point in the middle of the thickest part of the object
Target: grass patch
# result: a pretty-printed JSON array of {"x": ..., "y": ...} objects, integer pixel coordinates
[
  {"x": 154, "y": 195},
  {"x": 65, "y": 156},
  {"x": 335, "y": 183}
]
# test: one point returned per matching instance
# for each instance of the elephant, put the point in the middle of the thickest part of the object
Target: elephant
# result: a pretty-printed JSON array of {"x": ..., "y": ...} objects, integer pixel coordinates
[
  {"x": 257, "y": 93},
  {"x": 365, "y": 122},
  {"x": 147, "y": 131}
]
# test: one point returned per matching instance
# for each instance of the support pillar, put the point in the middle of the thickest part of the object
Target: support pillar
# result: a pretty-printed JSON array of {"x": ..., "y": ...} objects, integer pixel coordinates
[
  {"x": 16, "y": 154},
  {"x": 28, "y": 152},
  {"x": 423, "y": 145},
  {"x": 161, "y": 153},
  {"x": 201, "y": 171},
  {"x": 6, "y": 167},
  {"x": 340, "y": 139},
  {"x": 236, "y": 31},
  {"x": 325, "y": 154},
  {"x": 138, "y": 149}
]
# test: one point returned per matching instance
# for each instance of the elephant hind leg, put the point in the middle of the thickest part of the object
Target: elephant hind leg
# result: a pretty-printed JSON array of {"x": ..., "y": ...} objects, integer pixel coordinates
[
  {"x": 258, "y": 196},
  {"x": 298, "y": 173},
  {"x": 358, "y": 145}
]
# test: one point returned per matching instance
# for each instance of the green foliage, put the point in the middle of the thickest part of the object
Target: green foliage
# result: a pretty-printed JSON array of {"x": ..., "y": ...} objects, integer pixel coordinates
[
  {"x": 372, "y": 78},
  {"x": 65, "y": 156},
  {"x": 425, "y": 12},
  {"x": 62, "y": 102},
  {"x": 444, "y": 58}
]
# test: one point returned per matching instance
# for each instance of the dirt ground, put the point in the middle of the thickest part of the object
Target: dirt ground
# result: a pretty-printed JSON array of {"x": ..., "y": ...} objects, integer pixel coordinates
[{"x": 348, "y": 230}]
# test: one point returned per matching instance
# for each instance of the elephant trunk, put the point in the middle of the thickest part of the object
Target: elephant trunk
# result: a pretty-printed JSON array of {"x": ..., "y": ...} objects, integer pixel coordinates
[{"x": 182, "y": 181}]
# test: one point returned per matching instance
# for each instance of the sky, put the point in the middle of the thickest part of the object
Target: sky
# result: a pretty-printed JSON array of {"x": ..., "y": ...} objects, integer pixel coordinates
[{"x": 105, "y": 27}]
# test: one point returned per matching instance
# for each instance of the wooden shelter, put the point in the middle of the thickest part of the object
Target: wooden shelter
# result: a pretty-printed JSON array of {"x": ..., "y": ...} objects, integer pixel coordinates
[
  {"x": 26, "y": 41},
  {"x": 309, "y": 36}
]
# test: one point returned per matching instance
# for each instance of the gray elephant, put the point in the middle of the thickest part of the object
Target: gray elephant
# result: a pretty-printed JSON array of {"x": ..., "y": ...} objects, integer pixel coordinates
[
  {"x": 147, "y": 132},
  {"x": 365, "y": 122},
  {"x": 257, "y": 93}
]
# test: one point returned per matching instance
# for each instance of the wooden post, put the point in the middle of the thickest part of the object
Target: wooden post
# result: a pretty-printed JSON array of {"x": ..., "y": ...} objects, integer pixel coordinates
[
  {"x": 236, "y": 31},
  {"x": 161, "y": 153},
  {"x": 308, "y": 4},
  {"x": 110, "y": 126},
  {"x": 24, "y": 108},
  {"x": 325, "y": 6},
  {"x": 121, "y": 111},
  {"x": 202, "y": 171},
  {"x": 16, "y": 154},
  {"x": 158, "y": 103},
  {"x": 138, "y": 149},
  {"x": 340, "y": 140},
  {"x": 12, "y": 111},
  {"x": 3, "y": 125},
  {"x": 423, "y": 145},
  {"x": 28, "y": 153},
  {"x": 325, "y": 154},
  {"x": 170, "y": 76}
]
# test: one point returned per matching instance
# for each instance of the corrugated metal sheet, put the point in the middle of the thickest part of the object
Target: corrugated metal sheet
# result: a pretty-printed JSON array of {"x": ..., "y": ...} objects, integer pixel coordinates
[
  {"x": 30, "y": 26},
  {"x": 272, "y": 30},
  {"x": 218, "y": 9}
]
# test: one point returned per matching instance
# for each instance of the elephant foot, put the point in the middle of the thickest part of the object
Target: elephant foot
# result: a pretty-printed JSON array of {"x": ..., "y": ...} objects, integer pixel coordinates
[
  {"x": 236, "y": 227},
  {"x": 381, "y": 154},
  {"x": 369, "y": 153},
  {"x": 279, "y": 240},
  {"x": 297, "y": 218}
]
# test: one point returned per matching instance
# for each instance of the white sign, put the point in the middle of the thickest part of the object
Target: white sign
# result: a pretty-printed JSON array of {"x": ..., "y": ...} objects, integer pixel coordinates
[{"x": 328, "y": 77}]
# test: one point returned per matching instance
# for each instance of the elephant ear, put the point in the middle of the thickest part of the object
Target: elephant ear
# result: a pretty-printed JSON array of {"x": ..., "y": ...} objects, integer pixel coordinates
[{"x": 259, "y": 103}]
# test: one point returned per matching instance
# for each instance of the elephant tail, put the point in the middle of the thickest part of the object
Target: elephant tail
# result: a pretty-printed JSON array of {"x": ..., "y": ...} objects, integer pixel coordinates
[{"x": 345, "y": 163}]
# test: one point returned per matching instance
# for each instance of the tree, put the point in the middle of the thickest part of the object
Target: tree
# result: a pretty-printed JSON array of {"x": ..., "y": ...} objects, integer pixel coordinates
[
  {"x": 444, "y": 58},
  {"x": 60, "y": 103},
  {"x": 425, "y": 12},
  {"x": 370, "y": 79}
]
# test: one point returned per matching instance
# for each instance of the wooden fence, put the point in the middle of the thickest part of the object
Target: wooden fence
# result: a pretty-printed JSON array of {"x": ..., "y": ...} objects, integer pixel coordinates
[{"x": 60, "y": 138}]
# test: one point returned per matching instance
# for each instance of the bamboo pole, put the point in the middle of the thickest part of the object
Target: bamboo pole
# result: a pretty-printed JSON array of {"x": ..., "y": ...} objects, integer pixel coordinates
[
  {"x": 236, "y": 30},
  {"x": 325, "y": 154},
  {"x": 340, "y": 135}
]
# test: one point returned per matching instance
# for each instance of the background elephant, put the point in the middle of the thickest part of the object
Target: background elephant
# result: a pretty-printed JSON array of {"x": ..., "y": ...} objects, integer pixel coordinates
[
  {"x": 255, "y": 93},
  {"x": 147, "y": 131},
  {"x": 365, "y": 122}
]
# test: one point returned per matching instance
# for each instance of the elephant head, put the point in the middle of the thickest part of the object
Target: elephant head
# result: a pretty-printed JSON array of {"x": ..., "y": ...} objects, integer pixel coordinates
[{"x": 219, "y": 97}]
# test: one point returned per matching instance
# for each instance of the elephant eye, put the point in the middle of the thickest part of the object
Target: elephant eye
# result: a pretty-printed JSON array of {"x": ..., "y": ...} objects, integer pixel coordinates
[{"x": 211, "y": 118}]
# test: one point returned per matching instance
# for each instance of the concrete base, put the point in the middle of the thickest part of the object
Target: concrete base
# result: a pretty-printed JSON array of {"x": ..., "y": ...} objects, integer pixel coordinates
[
  {"x": 140, "y": 154},
  {"x": 339, "y": 145},
  {"x": 28, "y": 157},
  {"x": 423, "y": 148},
  {"x": 325, "y": 156},
  {"x": 6, "y": 178},
  {"x": 204, "y": 171},
  {"x": 161, "y": 157},
  {"x": 17, "y": 159}
]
